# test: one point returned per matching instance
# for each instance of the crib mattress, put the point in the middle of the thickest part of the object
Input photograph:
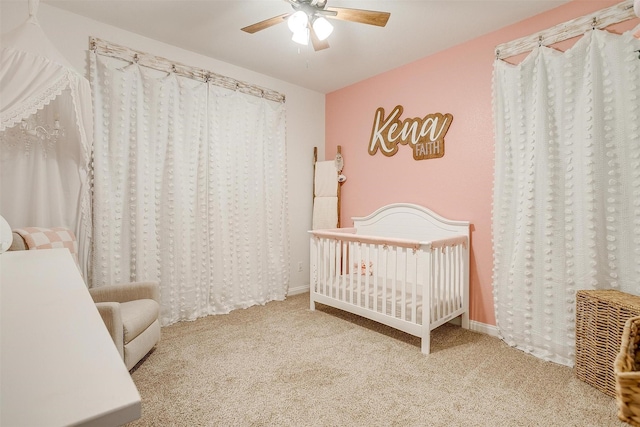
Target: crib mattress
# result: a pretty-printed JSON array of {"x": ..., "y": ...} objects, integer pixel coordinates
[{"x": 380, "y": 297}]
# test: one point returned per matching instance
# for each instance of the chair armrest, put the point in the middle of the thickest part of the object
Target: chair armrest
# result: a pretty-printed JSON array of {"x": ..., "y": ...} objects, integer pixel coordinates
[
  {"x": 126, "y": 292},
  {"x": 110, "y": 313}
]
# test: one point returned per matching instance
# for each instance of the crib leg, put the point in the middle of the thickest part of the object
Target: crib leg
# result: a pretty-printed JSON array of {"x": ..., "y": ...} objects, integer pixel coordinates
[
  {"x": 465, "y": 320},
  {"x": 426, "y": 342},
  {"x": 312, "y": 304}
]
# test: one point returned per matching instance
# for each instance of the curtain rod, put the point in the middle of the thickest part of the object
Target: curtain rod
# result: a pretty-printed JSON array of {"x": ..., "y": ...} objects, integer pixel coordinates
[
  {"x": 113, "y": 50},
  {"x": 576, "y": 27}
]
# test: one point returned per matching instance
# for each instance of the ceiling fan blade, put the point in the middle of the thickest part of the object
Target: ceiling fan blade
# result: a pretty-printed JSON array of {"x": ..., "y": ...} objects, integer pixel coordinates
[
  {"x": 265, "y": 24},
  {"x": 315, "y": 41},
  {"x": 362, "y": 16}
]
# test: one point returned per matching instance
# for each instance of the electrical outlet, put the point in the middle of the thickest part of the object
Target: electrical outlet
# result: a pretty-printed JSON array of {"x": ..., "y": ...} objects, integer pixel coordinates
[{"x": 300, "y": 267}]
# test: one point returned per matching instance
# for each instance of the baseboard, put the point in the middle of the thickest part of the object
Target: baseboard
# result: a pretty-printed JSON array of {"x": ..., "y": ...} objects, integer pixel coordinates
[
  {"x": 298, "y": 290},
  {"x": 483, "y": 328},
  {"x": 476, "y": 326}
]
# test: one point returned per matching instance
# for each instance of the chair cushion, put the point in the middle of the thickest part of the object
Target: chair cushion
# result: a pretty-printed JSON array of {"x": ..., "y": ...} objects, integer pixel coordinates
[
  {"x": 137, "y": 316},
  {"x": 139, "y": 347}
]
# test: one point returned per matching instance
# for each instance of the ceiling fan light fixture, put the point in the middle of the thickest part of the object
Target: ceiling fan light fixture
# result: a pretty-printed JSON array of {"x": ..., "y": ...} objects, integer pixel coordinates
[
  {"x": 298, "y": 21},
  {"x": 308, "y": 21},
  {"x": 301, "y": 36},
  {"x": 322, "y": 27}
]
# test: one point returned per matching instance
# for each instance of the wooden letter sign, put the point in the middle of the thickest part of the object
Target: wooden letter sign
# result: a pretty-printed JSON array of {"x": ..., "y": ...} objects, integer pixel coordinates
[{"x": 426, "y": 135}]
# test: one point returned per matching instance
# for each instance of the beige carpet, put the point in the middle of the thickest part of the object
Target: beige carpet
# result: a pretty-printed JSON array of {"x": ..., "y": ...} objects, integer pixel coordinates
[{"x": 284, "y": 365}]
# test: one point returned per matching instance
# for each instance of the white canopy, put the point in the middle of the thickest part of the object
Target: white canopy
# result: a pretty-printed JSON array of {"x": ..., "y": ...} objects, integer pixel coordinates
[{"x": 44, "y": 182}]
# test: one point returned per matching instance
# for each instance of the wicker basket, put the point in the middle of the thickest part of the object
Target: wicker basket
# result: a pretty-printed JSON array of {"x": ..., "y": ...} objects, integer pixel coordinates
[
  {"x": 627, "y": 371},
  {"x": 600, "y": 320}
]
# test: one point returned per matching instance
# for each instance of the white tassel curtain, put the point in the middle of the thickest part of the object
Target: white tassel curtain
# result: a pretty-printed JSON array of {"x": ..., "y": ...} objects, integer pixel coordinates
[
  {"x": 566, "y": 212},
  {"x": 190, "y": 189}
]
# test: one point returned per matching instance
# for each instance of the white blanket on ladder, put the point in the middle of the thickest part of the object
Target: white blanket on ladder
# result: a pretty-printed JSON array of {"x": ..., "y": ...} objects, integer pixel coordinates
[
  {"x": 325, "y": 213},
  {"x": 326, "y": 179},
  {"x": 325, "y": 202}
]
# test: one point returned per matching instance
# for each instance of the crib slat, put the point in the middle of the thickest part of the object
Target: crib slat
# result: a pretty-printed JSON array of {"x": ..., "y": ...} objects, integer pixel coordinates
[
  {"x": 445, "y": 273},
  {"x": 343, "y": 272},
  {"x": 456, "y": 278},
  {"x": 449, "y": 281},
  {"x": 436, "y": 273},
  {"x": 361, "y": 281},
  {"x": 335, "y": 271},
  {"x": 336, "y": 267},
  {"x": 454, "y": 273},
  {"x": 436, "y": 295},
  {"x": 376, "y": 273},
  {"x": 326, "y": 276},
  {"x": 414, "y": 289},
  {"x": 329, "y": 260},
  {"x": 403, "y": 307},
  {"x": 452, "y": 266},
  {"x": 394, "y": 283},
  {"x": 330, "y": 256},
  {"x": 320, "y": 266},
  {"x": 321, "y": 261},
  {"x": 352, "y": 257},
  {"x": 366, "y": 275},
  {"x": 454, "y": 284},
  {"x": 439, "y": 285},
  {"x": 428, "y": 277},
  {"x": 459, "y": 275},
  {"x": 351, "y": 271},
  {"x": 431, "y": 286},
  {"x": 338, "y": 272},
  {"x": 359, "y": 275},
  {"x": 326, "y": 272},
  {"x": 385, "y": 279},
  {"x": 425, "y": 285},
  {"x": 445, "y": 282},
  {"x": 328, "y": 246},
  {"x": 327, "y": 266}
]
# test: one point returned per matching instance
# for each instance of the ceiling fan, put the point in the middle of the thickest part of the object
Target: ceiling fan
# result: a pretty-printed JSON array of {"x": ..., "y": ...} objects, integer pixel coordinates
[{"x": 308, "y": 21}]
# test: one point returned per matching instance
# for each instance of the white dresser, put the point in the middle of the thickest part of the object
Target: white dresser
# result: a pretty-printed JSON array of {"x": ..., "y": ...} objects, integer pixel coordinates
[{"x": 58, "y": 364}]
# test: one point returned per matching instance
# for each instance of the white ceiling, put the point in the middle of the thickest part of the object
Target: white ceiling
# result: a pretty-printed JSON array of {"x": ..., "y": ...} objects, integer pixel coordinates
[{"x": 416, "y": 29}]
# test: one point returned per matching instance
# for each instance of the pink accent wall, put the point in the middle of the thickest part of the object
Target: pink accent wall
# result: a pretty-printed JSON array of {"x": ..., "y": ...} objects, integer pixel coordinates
[{"x": 459, "y": 185}]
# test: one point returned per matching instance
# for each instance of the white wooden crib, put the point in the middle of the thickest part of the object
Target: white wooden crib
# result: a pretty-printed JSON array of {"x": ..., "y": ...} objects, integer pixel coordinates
[{"x": 398, "y": 266}]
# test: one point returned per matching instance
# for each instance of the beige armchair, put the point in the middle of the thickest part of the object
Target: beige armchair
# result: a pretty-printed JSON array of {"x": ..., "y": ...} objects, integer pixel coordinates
[{"x": 129, "y": 311}]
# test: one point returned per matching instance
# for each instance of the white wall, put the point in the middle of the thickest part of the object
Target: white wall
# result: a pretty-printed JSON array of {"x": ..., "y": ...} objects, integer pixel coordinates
[{"x": 305, "y": 108}]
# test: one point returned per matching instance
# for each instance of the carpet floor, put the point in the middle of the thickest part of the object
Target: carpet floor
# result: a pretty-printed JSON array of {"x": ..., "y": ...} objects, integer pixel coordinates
[{"x": 283, "y": 365}]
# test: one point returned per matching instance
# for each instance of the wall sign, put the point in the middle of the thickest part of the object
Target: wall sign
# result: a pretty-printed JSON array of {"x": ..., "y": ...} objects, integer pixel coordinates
[{"x": 425, "y": 135}]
